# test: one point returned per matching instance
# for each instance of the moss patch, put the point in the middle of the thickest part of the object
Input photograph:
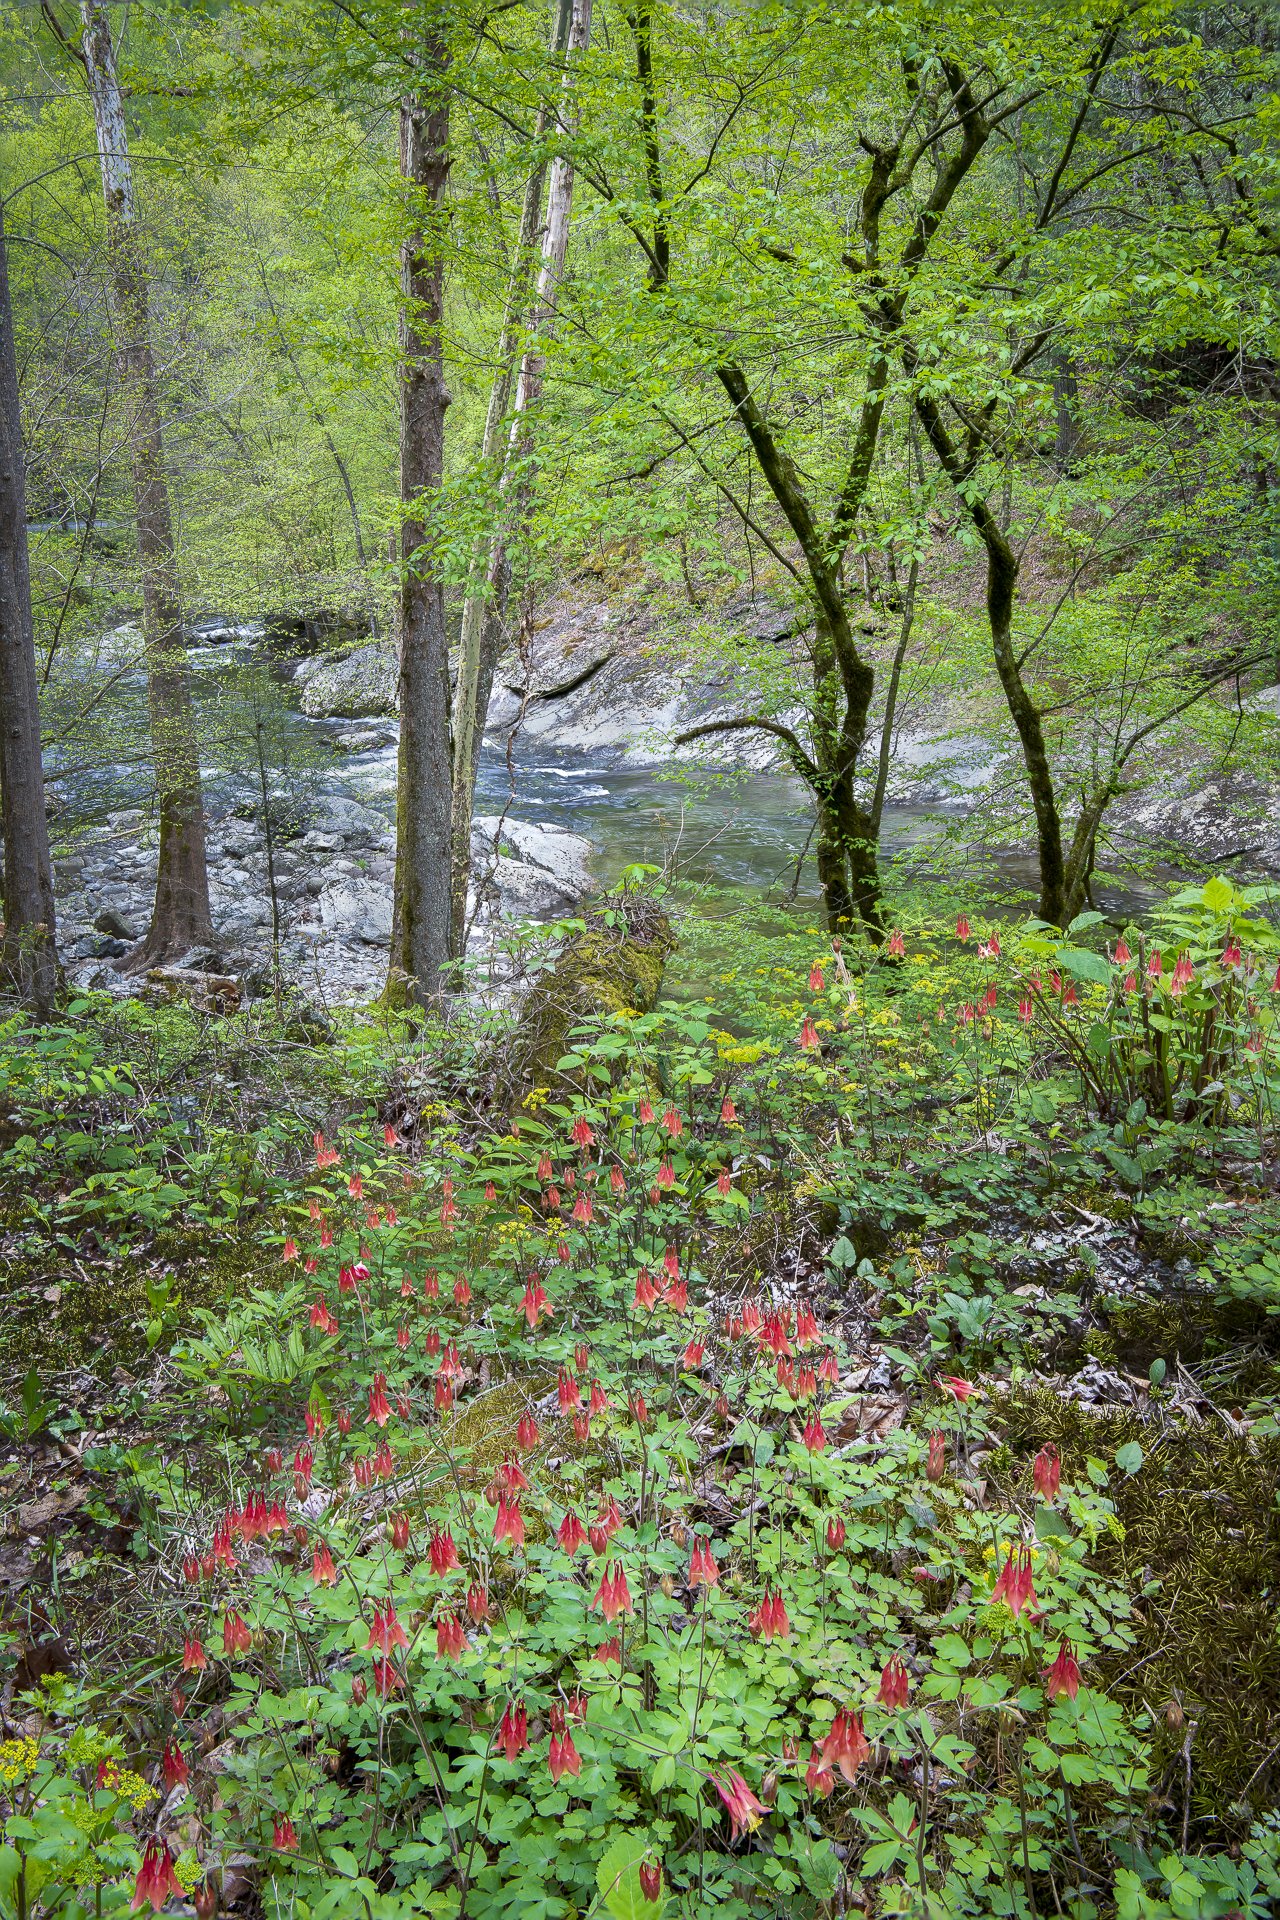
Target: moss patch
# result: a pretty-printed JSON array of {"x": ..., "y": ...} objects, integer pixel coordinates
[{"x": 1202, "y": 1537}]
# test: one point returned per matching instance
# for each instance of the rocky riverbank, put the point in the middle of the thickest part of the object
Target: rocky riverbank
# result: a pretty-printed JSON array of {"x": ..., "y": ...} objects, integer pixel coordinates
[{"x": 333, "y": 885}]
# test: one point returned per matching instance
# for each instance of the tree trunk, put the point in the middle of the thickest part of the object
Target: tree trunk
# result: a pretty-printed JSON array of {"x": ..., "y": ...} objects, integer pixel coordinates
[
  {"x": 484, "y": 617},
  {"x": 420, "y": 941},
  {"x": 181, "y": 916},
  {"x": 29, "y": 955}
]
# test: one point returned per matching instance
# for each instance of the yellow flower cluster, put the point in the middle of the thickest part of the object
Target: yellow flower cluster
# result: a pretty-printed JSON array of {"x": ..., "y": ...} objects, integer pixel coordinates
[{"x": 17, "y": 1760}]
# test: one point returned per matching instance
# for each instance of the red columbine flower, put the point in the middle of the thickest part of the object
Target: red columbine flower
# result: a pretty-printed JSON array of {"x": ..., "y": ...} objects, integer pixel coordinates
[
  {"x": 650, "y": 1880},
  {"x": 703, "y": 1571},
  {"x": 894, "y": 946},
  {"x": 386, "y": 1633},
  {"x": 511, "y": 1475},
  {"x": 728, "y": 1112},
  {"x": 1014, "y": 1585},
  {"x": 666, "y": 1173},
  {"x": 513, "y": 1730},
  {"x": 283, "y": 1835},
  {"x": 322, "y": 1318},
  {"x": 770, "y": 1619},
  {"x": 807, "y": 1334},
  {"x": 829, "y": 1368},
  {"x": 787, "y": 1377},
  {"x": 582, "y": 1133},
  {"x": 235, "y": 1635},
  {"x": 671, "y": 1263},
  {"x": 1122, "y": 956},
  {"x": 609, "y": 1516},
  {"x": 962, "y": 928},
  {"x": 563, "y": 1755},
  {"x": 1025, "y": 1011},
  {"x": 815, "y": 1438},
  {"x": 478, "y": 1603},
  {"x": 571, "y": 1533},
  {"x": 1231, "y": 954},
  {"x": 835, "y": 1533},
  {"x": 343, "y": 1422},
  {"x": 677, "y": 1296},
  {"x": 157, "y": 1881},
  {"x": 462, "y": 1290},
  {"x": 744, "y": 1810},
  {"x": 1064, "y": 1674},
  {"x": 894, "y": 1685},
  {"x": 846, "y": 1745},
  {"x": 816, "y": 981},
  {"x": 808, "y": 1035},
  {"x": 773, "y": 1335},
  {"x": 290, "y": 1249},
  {"x": 568, "y": 1391},
  {"x": 645, "y": 1111},
  {"x": 646, "y": 1294},
  {"x": 936, "y": 1463},
  {"x": 173, "y": 1765},
  {"x": 639, "y": 1409},
  {"x": 613, "y": 1596},
  {"x": 379, "y": 1406},
  {"x": 957, "y": 1386},
  {"x": 443, "y": 1553},
  {"x": 607, "y": 1651},
  {"x": 1046, "y": 1471},
  {"x": 673, "y": 1123},
  {"x": 387, "y": 1678},
  {"x": 534, "y": 1303},
  {"x": 510, "y": 1521},
  {"x": 581, "y": 1423},
  {"x": 194, "y": 1657},
  {"x": 325, "y": 1156},
  {"x": 598, "y": 1400},
  {"x": 724, "y": 1185},
  {"x": 451, "y": 1641},
  {"x": 1183, "y": 974},
  {"x": 582, "y": 1210},
  {"x": 693, "y": 1356},
  {"x": 323, "y": 1571},
  {"x": 527, "y": 1432},
  {"x": 818, "y": 1775}
]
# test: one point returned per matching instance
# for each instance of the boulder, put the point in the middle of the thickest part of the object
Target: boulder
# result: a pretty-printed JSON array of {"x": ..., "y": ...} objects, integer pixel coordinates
[
  {"x": 363, "y": 683},
  {"x": 538, "y": 869},
  {"x": 109, "y": 921},
  {"x": 357, "y": 908}
]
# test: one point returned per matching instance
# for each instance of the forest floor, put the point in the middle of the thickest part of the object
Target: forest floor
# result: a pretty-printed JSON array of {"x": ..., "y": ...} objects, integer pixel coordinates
[{"x": 885, "y": 1284}]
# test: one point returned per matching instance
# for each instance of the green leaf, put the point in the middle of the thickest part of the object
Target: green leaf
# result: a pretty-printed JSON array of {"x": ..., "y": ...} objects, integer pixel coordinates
[
  {"x": 1083, "y": 965},
  {"x": 618, "y": 1878},
  {"x": 1129, "y": 1457},
  {"x": 1218, "y": 895}
]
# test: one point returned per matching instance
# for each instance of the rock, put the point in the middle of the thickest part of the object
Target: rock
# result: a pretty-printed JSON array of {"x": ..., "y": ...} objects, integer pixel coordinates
[
  {"x": 109, "y": 921},
  {"x": 100, "y": 946},
  {"x": 365, "y": 682},
  {"x": 362, "y": 739},
  {"x": 359, "y": 907},
  {"x": 357, "y": 825},
  {"x": 560, "y": 665}
]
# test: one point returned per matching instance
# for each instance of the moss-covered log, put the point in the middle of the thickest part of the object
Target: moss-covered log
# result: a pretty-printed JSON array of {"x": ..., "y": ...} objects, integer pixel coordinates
[{"x": 614, "y": 966}]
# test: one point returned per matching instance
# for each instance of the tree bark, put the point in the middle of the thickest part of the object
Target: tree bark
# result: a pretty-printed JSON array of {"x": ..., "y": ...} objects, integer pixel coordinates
[
  {"x": 484, "y": 615},
  {"x": 181, "y": 916},
  {"x": 421, "y": 929},
  {"x": 29, "y": 957}
]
